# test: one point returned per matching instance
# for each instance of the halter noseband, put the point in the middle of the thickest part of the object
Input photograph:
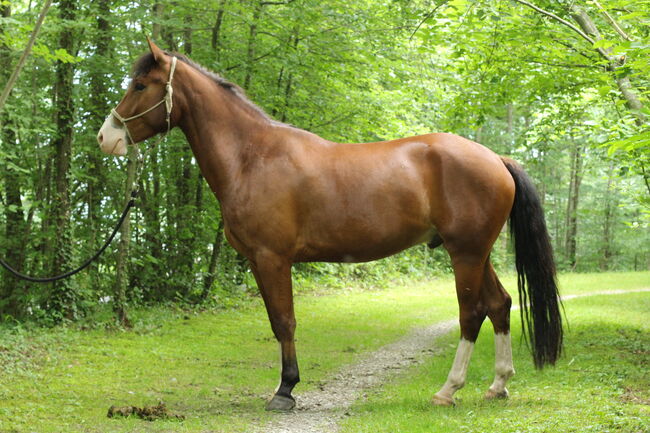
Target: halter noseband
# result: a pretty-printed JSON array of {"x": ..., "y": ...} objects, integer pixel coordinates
[{"x": 167, "y": 100}]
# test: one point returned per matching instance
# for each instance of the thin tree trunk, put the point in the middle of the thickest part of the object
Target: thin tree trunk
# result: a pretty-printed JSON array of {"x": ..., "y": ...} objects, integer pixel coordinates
[
  {"x": 509, "y": 123},
  {"x": 557, "y": 204},
  {"x": 214, "y": 259},
  {"x": 287, "y": 97},
  {"x": 216, "y": 30},
  {"x": 278, "y": 86},
  {"x": 572, "y": 205},
  {"x": 13, "y": 208},
  {"x": 186, "y": 232},
  {"x": 609, "y": 212},
  {"x": 250, "y": 46},
  {"x": 157, "y": 17},
  {"x": 64, "y": 299},
  {"x": 14, "y": 241},
  {"x": 122, "y": 264},
  {"x": 150, "y": 193},
  {"x": 167, "y": 31},
  {"x": 99, "y": 109}
]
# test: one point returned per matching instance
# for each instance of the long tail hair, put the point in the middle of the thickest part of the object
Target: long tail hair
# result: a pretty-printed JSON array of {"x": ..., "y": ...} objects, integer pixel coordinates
[{"x": 536, "y": 278}]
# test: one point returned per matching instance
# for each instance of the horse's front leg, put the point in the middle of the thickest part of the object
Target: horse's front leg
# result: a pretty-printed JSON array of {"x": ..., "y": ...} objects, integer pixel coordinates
[{"x": 273, "y": 276}]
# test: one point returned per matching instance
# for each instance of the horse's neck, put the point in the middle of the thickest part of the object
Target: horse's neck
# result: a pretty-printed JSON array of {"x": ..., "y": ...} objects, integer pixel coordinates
[{"x": 221, "y": 137}]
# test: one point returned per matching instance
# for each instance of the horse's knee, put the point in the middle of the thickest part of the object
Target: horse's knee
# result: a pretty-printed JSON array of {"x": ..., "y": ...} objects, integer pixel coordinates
[{"x": 283, "y": 328}]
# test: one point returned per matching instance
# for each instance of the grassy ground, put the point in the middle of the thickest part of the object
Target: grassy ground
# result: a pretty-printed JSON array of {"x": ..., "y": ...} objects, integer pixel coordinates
[
  {"x": 600, "y": 385},
  {"x": 218, "y": 368},
  {"x": 215, "y": 368}
]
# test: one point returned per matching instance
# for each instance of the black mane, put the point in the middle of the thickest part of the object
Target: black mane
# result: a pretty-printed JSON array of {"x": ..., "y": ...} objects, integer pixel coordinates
[{"x": 147, "y": 62}]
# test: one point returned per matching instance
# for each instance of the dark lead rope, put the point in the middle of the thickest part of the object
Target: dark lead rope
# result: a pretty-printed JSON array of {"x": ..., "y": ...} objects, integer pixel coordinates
[
  {"x": 85, "y": 264},
  {"x": 168, "y": 102}
]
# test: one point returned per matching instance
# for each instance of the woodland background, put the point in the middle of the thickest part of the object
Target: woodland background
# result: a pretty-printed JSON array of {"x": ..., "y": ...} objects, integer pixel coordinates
[{"x": 561, "y": 86}]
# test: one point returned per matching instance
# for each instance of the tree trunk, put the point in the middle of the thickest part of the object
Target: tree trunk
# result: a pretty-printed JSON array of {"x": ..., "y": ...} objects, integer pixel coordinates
[
  {"x": 510, "y": 114},
  {"x": 250, "y": 46},
  {"x": 122, "y": 264},
  {"x": 186, "y": 231},
  {"x": 157, "y": 17},
  {"x": 99, "y": 109},
  {"x": 572, "y": 204},
  {"x": 214, "y": 259},
  {"x": 609, "y": 214},
  {"x": 150, "y": 193},
  {"x": 216, "y": 30},
  {"x": 13, "y": 243},
  {"x": 64, "y": 299},
  {"x": 167, "y": 32}
]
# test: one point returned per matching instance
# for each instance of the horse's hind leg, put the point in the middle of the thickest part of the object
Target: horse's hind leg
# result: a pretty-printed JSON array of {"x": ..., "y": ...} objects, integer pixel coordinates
[
  {"x": 273, "y": 276},
  {"x": 468, "y": 270},
  {"x": 498, "y": 303}
]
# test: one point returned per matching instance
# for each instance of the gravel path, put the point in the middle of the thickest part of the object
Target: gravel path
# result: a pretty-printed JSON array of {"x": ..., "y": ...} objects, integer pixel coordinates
[{"x": 320, "y": 411}]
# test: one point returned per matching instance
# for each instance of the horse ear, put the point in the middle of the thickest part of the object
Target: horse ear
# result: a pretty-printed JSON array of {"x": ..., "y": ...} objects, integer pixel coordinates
[{"x": 158, "y": 54}]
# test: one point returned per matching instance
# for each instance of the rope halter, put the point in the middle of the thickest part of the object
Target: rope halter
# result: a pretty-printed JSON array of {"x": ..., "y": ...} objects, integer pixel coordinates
[
  {"x": 169, "y": 104},
  {"x": 167, "y": 100}
]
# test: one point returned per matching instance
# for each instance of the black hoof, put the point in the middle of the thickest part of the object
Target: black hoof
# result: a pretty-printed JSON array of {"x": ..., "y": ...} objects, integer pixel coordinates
[{"x": 281, "y": 403}]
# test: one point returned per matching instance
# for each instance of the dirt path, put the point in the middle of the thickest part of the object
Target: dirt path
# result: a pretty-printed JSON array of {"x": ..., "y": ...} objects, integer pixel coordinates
[{"x": 320, "y": 411}]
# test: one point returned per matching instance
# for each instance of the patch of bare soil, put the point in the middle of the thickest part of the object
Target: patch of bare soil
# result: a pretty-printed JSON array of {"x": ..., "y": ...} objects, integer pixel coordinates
[
  {"x": 634, "y": 396},
  {"x": 147, "y": 413}
]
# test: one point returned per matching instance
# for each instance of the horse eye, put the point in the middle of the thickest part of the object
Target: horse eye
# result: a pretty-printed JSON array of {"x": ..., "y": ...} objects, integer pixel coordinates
[{"x": 139, "y": 86}]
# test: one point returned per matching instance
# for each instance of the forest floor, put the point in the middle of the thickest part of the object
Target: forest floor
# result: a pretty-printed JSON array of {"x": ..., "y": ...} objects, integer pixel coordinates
[{"x": 216, "y": 369}]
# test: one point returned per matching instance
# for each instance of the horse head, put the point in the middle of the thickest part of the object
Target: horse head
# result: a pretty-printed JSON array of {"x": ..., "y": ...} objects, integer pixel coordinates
[{"x": 145, "y": 110}]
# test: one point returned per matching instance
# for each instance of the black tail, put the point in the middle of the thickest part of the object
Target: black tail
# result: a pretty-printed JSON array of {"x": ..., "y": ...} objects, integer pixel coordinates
[{"x": 536, "y": 280}]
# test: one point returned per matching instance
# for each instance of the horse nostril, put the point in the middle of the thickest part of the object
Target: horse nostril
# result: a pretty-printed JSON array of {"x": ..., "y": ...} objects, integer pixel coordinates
[{"x": 100, "y": 138}]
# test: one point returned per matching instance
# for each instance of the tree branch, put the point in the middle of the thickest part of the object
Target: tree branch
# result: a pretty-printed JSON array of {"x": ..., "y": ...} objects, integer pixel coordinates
[
  {"x": 276, "y": 3},
  {"x": 336, "y": 119},
  {"x": 574, "y": 49},
  {"x": 427, "y": 16},
  {"x": 560, "y": 65},
  {"x": 23, "y": 58},
  {"x": 613, "y": 22},
  {"x": 586, "y": 23},
  {"x": 557, "y": 18},
  {"x": 255, "y": 59}
]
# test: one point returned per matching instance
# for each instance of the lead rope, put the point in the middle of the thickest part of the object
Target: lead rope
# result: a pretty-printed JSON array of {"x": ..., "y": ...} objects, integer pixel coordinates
[{"x": 140, "y": 160}]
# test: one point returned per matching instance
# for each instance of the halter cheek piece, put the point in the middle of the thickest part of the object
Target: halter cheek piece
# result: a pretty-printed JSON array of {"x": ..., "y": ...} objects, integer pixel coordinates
[{"x": 167, "y": 100}]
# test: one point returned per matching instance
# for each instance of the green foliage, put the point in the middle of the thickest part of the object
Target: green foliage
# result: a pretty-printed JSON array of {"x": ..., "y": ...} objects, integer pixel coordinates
[{"x": 496, "y": 72}]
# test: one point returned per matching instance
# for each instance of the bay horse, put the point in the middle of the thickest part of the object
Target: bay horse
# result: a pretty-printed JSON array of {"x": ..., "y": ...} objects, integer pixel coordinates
[{"x": 289, "y": 196}]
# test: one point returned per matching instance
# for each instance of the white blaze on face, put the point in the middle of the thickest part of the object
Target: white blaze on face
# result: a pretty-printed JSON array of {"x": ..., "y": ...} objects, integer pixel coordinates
[{"x": 112, "y": 137}]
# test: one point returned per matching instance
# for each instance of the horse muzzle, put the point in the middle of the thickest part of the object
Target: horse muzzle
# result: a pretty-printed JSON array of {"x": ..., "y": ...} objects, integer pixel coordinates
[{"x": 112, "y": 137}]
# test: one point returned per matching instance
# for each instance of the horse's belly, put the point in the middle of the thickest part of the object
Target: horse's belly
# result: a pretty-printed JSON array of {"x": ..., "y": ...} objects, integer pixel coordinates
[{"x": 354, "y": 248}]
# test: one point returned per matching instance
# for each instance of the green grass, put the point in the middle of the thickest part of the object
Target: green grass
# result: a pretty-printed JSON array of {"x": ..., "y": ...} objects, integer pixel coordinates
[
  {"x": 218, "y": 368},
  {"x": 600, "y": 385},
  {"x": 215, "y": 368}
]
